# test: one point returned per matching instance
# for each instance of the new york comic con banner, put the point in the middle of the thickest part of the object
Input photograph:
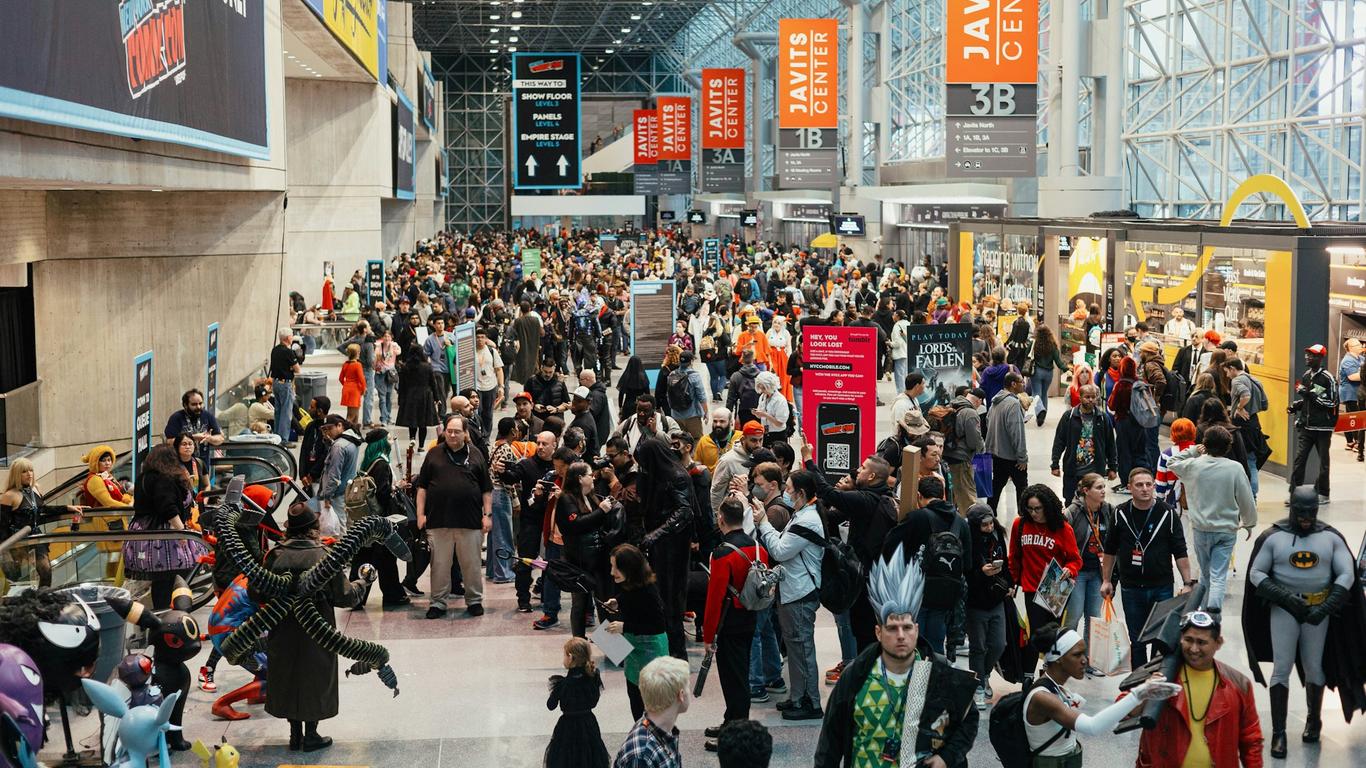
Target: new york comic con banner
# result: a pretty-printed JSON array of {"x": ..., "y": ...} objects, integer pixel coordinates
[
  {"x": 189, "y": 72},
  {"x": 943, "y": 353}
]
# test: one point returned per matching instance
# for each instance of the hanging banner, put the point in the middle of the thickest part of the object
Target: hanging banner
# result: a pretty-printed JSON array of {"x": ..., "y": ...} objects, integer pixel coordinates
[
  {"x": 404, "y": 147},
  {"x": 443, "y": 173},
  {"x": 531, "y": 262},
  {"x": 839, "y": 396},
  {"x": 943, "y": 353},
  {"x": 991, "y": 94},
  {"x": 374, "y": 281},
  {"x": 191, "y": 73},
  {"x": 211, "y": 372},
  {"x": 645, "y": 150},
  {"x": 142, "y": 409},
  {"x": 361, "y": 26},
  {"x": 992, "y": 41},
  {"x": 675, "y": 145},
  {"x": 723, "y": 109},
  {"x": 652, "y": 322},
  {"x": 545, "y": 121},
  {"x": 808, "y": 73},
  {"x": 426, "y": 96}
]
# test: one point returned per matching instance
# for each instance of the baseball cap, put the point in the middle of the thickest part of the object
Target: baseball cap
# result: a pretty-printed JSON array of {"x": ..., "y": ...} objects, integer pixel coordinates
[
  {"x": 1317, "y": 349},
  {"x": 335, "y": 419},
  {"x": 582, "y": 392},
  {"x": 522, "y": 396},
  {"x": 753, "y": 429}
]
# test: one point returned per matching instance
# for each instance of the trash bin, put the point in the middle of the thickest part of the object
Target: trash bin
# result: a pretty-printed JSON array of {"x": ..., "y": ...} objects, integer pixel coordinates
[
  {"x": 112, "y": 632},
  {"x": 308, "y": 385}
]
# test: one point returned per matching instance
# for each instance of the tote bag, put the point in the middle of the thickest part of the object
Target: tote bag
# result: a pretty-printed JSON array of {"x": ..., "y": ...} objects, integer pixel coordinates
[{"x": 1109, "y": 644}]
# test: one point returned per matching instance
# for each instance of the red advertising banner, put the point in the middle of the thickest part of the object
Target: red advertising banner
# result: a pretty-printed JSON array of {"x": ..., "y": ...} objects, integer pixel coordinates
[
  {"x": 675, "y": 127},
  {"x": 808, "y": 73},
  {"x": 839, "y": 396},
  {"x": 645, "y": 136},
  {"x": 723, "y": 109}
]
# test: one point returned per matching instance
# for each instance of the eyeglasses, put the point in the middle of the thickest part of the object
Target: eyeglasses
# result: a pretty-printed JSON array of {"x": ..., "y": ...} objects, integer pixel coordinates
[
  {"x": 1198, "y": 619},
  {"x": 1034, "y": 507}
]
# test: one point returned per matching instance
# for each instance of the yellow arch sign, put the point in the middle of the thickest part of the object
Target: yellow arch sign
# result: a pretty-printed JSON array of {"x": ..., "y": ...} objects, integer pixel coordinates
[{"x": 1256, "y": 185}]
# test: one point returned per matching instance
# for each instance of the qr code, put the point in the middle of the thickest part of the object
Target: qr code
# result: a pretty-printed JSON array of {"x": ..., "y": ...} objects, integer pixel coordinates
[{"x": 837, "y": 456}]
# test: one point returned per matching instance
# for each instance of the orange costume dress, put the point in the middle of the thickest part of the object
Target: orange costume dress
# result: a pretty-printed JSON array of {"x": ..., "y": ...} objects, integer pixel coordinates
[{"x": 353, "y": 384}]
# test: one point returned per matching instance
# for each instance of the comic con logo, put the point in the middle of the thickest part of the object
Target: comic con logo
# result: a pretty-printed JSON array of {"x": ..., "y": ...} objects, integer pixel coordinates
[{"x": 153, "y": 42}]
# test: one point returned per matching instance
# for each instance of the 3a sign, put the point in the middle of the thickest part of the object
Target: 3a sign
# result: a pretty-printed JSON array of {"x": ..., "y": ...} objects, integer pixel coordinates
[
  {"x": 723, "y": 170},
  {"x": 545, "y": 120},
  {"x": 808, "y": 73}
]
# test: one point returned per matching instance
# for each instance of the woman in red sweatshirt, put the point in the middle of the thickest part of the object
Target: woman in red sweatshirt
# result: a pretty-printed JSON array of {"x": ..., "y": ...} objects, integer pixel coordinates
[{"x": 1037, "y": 537}]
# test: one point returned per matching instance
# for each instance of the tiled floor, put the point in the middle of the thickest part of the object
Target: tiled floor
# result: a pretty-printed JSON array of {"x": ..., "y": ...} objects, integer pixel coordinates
[{"x": 473, "y": 690}]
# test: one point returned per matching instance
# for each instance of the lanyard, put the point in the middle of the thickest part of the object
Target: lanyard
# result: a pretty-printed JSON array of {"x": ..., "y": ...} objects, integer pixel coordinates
[
  {"x": 887, "y": 683},
  {"x": 1138, "y": 540}
]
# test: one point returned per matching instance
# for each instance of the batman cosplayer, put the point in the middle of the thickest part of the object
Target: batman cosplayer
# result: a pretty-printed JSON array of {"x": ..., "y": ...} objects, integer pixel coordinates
[{"x": 1301, "y": 608}]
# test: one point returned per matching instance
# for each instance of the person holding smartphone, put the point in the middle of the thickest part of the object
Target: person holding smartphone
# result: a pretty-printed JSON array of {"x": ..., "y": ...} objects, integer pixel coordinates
[{"x": 989, "y": 586}]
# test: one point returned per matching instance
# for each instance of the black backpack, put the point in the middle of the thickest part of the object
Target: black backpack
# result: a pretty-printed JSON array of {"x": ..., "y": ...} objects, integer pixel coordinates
[
  {"x": 1174, "y": 396},
  {"x": 680, "y": 390},
  {"x": 1006, "y": 728},
  {"x": 746, "y": 400},
  {"x": 841, "y": 571},
  {"x": 942, "y": 562}
]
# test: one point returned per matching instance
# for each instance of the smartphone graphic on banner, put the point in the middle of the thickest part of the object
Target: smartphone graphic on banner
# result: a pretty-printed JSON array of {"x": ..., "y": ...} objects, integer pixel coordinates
[{"x": 837, "y": 439}]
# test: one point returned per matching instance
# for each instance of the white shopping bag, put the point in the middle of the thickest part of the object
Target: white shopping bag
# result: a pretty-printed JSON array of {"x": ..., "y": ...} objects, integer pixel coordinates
[{"x": 1109, "y": 643}]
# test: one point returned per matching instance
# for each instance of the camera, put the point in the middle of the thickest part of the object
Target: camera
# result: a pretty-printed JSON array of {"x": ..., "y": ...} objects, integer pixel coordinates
[{"x": 599, "y": 463}]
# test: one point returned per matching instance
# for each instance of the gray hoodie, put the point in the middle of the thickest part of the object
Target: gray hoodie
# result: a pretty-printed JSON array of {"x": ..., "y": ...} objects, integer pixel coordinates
[
  {"x": 968, "y": 429},
  {"x": 1005, "y": 428},
  {"x": 1217, "y": 490}
]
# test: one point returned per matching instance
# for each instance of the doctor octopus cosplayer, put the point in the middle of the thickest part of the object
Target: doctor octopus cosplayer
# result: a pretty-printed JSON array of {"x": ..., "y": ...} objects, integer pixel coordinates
[{"x": 1302, "y": 608}]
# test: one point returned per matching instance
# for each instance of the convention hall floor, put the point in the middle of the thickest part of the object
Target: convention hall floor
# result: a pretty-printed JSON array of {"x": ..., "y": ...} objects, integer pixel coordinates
[{"x": 474, "y": 690}]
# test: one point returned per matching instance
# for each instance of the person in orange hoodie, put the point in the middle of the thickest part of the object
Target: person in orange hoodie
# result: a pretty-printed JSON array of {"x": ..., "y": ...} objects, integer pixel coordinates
[
  {"x": 100, "y": 488},
  {"x": 753, "y": 337}
]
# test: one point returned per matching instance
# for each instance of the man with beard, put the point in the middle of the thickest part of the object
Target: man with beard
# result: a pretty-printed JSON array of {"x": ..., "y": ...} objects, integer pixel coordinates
[
  {"x": 313, "y": 446},
  {"x": 720, "y": 439},
  {"x": 194, "y": 421},
  {"x": 1303, "y": 608},
  {"x": 548, "y": 392},
  {"x": 527, "y": 419}
]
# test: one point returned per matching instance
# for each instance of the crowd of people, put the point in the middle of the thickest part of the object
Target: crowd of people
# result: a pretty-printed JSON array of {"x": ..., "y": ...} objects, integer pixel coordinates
[{"x": 687, "y": 507}]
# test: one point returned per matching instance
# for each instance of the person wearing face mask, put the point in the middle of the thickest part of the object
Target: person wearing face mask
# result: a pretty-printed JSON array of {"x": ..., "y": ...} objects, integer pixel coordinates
[
  {"x": 100, "y": 488},
  {"x": 798, "y": 547},
  {"x": 735, "y": 462},
  {"x": 1303, "y": 608}
]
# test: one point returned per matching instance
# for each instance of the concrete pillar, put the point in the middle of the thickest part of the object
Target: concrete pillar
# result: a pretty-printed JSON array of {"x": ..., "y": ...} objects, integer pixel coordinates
[{"x": 853, "y": 83}]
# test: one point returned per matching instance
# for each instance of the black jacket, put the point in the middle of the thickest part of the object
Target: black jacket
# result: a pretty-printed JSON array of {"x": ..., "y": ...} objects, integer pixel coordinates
[
  {"x": 524, "y": 475},
  {"x": 949, "y": 694},
  {"x": 1068, "y": 434},
  {"x": 551, "y": 393},
  {"x": 871, "y": 513},
  {"x": 668, "y": 508},
  {"x": 158, "y": 498},
  {"x": 584, "y": 531}
]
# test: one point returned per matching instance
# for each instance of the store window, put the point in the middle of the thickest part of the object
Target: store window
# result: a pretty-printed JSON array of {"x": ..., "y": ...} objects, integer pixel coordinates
[{"x": 1005, "y": 268}]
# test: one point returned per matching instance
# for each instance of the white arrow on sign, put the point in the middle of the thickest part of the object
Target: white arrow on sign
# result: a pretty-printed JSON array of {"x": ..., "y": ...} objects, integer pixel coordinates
[
  {"x": 563, "y": 164},
  {"x": 531, "y": 166}
]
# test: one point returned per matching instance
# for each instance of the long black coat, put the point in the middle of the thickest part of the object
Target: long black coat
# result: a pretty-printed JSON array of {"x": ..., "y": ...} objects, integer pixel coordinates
[
  {"x": 303, "y": 677},
  {"x": 416, "y": 396}
]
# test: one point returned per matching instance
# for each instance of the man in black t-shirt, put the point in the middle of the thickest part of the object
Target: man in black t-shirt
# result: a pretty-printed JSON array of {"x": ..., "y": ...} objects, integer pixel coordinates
[
  {"x": 284, "y": 363},
  {"x": 453, "y": 487},
  {"x": 1145, "y": 539}
]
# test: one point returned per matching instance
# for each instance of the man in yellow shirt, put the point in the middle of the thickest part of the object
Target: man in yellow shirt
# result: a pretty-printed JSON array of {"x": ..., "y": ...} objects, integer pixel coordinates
[{"x": 722, "y": 436}]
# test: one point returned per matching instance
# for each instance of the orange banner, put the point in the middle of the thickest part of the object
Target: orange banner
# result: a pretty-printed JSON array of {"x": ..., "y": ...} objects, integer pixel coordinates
[
  {"x": 645, "y": 136},
  {"x": 675, "y": 127},
  {"x": 723, "y": 109},
  {"x": 992, "y": 41},
  {"x": 808, "y": 73}
]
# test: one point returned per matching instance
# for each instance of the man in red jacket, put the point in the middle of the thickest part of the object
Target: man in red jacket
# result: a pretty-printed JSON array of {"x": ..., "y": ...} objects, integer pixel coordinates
[
  {"x": 728, "y": 627},
  {"x": 1214, "y": 721}
]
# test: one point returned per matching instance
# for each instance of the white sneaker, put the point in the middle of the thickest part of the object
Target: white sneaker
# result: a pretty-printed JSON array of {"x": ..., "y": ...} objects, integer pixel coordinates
[{"x": 980, "y": 699}]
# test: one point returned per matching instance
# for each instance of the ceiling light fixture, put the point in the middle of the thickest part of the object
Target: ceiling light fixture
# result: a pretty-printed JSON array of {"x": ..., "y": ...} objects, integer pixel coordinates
[
  {"x": 626, "y": 30},
  {"x": 618, "y": 42},
  {"x": 493, "y": 50},
  {"x": 494, "y": 17},
  {"x": 635, "y": 17},
  {"x": 516, "y": 28},
  {"x": 512, "y": 49},
  {"x": 512, "y": 38},
  {"x": 610, "y": 50},
  {"x": 516, "y": 14}
]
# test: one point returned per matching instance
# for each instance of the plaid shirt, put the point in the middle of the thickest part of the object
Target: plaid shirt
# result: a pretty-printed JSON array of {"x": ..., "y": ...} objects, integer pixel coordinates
[{"x": 646, "y": 746}]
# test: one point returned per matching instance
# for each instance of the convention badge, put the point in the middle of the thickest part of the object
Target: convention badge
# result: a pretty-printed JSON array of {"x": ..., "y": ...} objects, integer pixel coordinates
[
  {"x": 891, "y": 750},
  {"x": 1136, "y": 557}
]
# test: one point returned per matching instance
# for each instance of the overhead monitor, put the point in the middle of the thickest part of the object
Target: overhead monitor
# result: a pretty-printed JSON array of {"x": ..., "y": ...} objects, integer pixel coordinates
[
  {"x": 848, "y": 225},
  {"x": 749, "y": 218},
  {"x": 697, "y": 217},
  {"x": 667, "y": 216}
]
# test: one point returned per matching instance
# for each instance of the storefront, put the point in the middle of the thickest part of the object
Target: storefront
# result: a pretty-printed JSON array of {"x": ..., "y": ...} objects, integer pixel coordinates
[
  {"x": 800, "y": 223},
  {"x": 919, "y": 232},
  {"x": 1273, "y": 288}
]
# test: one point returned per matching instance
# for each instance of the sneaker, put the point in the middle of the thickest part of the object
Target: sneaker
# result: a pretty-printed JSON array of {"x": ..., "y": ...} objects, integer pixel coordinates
[
  {"x": 474, "y": 610},
  {"x": 1323, "y": 500},
  {"x": 832, "y": 676},
  {"x": 524, "y": 607},
  {"x": 784, "y": 706},
  {"x": 777, "y": 686},
  {"x": 758, "y": 696},
  {"x": 1121, "y": 488},
  {"x": 546, "y": 622},
  {"x": 435, "y": 613},
  {"x": 979, "y": 700},
  {"x": 206, "y": 682}
]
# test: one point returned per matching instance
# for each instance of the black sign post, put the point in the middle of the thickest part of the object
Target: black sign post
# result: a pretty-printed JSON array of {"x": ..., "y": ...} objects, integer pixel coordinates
[
  {"x": 211, "y": 372},
  {"x": 142, "y": 409},
  {"x": 546, "y": 145},
  {"x": 374, "y": 281},
  {"x": 404, "y": 147}
]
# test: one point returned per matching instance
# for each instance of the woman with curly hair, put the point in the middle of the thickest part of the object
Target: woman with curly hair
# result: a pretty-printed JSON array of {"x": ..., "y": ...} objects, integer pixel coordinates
[{"x": 1039, "y": 536}]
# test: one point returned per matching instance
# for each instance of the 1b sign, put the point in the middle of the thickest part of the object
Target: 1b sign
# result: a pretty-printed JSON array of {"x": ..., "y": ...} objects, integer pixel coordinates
[{"x": 992, "y": 41}]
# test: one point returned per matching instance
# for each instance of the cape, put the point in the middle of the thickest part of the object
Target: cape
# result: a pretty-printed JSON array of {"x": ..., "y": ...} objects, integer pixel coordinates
[{"x": 1344, "y": 667}]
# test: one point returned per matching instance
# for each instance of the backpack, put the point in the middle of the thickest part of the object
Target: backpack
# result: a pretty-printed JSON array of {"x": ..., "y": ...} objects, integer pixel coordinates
[
  {"x": 761, "y": 583},
  {"x": 1258, "y": 403},
  {"x": 1143, "y": 407},
  {"x": 1006, "y": 728},
  {"x": 746, "y": 399},
  {"x": 360, "y": 497},
  {"x": 841, "y": 570},
  {"x": 1178, "y": 389},
  {"x": 944, "y": 420},
  {"x": 680, "y": 390},
  {"x": 942, "y": 563}
]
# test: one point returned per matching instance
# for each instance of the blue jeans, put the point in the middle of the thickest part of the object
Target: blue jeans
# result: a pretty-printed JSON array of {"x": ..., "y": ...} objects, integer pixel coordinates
[
  {"x": 283, "y": 392},
  {"x": 385, "y": 394},
  {"x": 1214, "y": 552},
  {"x": 716, "y": 369},
  {"x": 848, "y": 644},
  {"x": 500, "y": 537},
  {"x": 1151, "y": 450},
  {"x": 765, "y": 664},
  {"x": 550, "y": 591},
  {"x": 1138, "y": 603},
  {"x": 1084, "y": 601},
  {"x": 934, "y": 626},
  {"x": 1129, "y": 447},
  {"x": 368, "y": 396},
  {"x": 900, "y": 367},
  {"x": 797, "y": 401},
  {"x": 1252, "y": 473},
  {"x": 1039, "y": 384}
]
